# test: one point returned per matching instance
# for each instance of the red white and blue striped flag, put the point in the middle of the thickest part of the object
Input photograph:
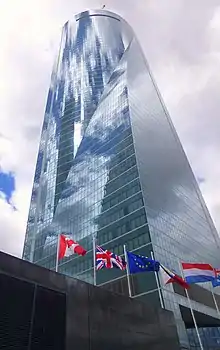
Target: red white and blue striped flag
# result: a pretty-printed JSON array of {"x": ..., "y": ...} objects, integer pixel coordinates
[{"x": 198, "y": 273}]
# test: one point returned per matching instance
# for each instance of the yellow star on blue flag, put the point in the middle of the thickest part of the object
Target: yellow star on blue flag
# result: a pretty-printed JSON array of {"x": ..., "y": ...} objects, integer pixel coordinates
[{"x": 140, "y": 263}]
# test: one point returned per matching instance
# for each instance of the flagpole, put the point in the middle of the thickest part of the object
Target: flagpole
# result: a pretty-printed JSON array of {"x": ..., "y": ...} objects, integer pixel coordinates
[
  {"x": 57, "y": 254},
  {"x": 94, "y": 258},
  {"x": 158, "y": 284},
  {"x": 128, "y": 272},
  {"x": 215, "y": 302},
  {"x": 191, "y": 310}
]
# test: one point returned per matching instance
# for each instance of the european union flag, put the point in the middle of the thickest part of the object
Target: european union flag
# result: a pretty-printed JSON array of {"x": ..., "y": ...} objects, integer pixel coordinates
[{"x": 139, "y": 263}]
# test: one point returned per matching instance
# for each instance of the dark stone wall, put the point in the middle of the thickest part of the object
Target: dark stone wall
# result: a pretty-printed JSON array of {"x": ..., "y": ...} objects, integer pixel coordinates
[
  {"x": 125, "y": 323},
  {"x": 43, "y": 310},
  {"x": 31, "y": 316}
]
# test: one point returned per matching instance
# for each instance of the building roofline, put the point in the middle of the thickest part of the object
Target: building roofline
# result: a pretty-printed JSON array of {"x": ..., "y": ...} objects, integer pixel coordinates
[{"x": 98, "y": 12}]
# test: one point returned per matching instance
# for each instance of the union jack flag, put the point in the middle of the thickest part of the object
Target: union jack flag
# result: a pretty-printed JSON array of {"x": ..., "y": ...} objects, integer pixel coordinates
[{"x": 105, "y": 258}]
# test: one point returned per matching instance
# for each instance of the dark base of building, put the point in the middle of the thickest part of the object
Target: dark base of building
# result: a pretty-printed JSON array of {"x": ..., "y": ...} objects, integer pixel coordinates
[{"x": 42, "y": 310}]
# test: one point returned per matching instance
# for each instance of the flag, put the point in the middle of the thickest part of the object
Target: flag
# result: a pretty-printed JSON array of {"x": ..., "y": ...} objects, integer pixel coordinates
[
  {"x": 171, "y": 277},
  {"x": 216, "y": 281},
  {"x": 105, "y": 258},
  {"x": 68, "y": 247},
  {"x": 198, "y": 273},
  {"x": 139, "y": 263}
]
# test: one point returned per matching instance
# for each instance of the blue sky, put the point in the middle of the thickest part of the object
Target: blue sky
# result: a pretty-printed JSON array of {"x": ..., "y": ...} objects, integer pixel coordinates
[
  {"x": 181, "y": 41},
  {"x": 7, "y": 185}
]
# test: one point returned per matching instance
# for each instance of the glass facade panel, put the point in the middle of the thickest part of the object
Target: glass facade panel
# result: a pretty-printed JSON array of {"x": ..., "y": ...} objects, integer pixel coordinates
[
  {"x": 210, "y": 337},
  {"x": 110, "y": 164}
]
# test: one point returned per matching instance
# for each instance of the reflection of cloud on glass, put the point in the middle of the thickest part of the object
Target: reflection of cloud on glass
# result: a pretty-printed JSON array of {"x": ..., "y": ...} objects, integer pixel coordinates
[
  {"x": 177, "y": 215},
  {"x": 80, "y": 203},
  {"x": 77, "y": 136},
  {"x": 87, "y": 79}
]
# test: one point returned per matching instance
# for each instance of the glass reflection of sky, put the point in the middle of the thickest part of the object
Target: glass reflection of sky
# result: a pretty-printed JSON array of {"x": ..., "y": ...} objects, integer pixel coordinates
[
  {"x": 88, "y": 80},
  {"x": 96, "y": 89},
  {"x": 101, "y": 92}
]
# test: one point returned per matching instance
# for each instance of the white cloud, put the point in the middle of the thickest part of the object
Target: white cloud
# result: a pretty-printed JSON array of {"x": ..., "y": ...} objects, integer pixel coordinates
[{"x": 182, "y": 46}]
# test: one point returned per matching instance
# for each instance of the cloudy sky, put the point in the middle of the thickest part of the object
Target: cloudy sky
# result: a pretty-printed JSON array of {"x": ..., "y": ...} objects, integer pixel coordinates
[{"x": 181, "y": 40}]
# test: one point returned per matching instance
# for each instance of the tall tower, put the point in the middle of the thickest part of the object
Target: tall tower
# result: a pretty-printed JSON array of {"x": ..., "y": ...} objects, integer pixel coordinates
[{"x": 110, "y": 163}]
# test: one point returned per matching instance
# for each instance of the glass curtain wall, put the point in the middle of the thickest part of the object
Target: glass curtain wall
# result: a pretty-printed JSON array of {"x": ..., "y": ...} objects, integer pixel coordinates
[{"x": 110, "y": 164}]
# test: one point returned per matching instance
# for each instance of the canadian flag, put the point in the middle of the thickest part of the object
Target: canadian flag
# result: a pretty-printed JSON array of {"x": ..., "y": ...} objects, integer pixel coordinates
[{"x": 68, "y": 247}]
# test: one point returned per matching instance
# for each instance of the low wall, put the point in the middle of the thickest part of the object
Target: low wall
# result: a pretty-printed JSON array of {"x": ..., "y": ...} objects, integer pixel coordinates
[{"x": 42, "y": 310}]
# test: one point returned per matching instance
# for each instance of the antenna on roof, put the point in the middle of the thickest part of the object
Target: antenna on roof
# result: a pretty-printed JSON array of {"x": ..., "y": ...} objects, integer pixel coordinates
[{"x": 103, "y": 7}]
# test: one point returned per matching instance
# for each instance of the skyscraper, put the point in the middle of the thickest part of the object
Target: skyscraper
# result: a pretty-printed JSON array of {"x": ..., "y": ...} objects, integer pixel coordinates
[{"x": 110, "y": 164}]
